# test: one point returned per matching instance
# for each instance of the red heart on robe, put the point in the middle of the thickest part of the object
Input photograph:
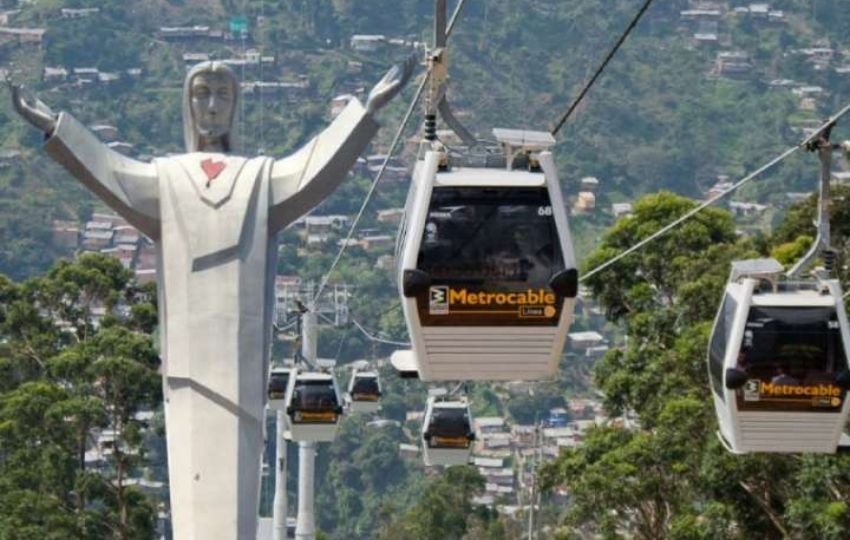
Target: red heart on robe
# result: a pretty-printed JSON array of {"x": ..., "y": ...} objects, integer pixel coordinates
[{"x": 212, "y": 168}]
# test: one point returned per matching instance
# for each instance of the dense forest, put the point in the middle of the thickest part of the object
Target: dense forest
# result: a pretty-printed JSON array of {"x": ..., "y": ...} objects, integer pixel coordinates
[{"x": 77, "y": 333}]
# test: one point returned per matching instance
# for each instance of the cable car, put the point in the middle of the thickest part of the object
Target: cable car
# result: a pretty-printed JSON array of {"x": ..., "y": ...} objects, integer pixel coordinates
[
  {"x": 778, "y": 362},
  {"x": 487, "y": 273},
  {"x": 364, "y": 392},
  {"x": 447, "y": 434},
  {"x": 277, "y": 387},
  {"x": 313, "y": 407}
]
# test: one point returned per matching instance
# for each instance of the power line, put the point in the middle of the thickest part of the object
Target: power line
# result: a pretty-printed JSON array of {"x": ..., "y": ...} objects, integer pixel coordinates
[
  {"x": 717, "y": 197},
  {"x": 602, "y": 66}
]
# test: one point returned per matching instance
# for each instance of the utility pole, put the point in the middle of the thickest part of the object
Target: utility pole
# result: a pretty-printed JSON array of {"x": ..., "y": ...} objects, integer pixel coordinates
[
  {"x": 280, "y": 507},
  {"x": 533, "y": 496},
  {"x": 280, "y": 502},
  {"x": 305, "y": 528}
]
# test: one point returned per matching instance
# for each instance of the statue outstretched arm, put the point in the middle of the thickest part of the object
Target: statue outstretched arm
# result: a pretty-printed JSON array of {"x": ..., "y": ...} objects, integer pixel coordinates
[
  {"x": 303, "y": 180},
  {"x": 129, "y": 187}
]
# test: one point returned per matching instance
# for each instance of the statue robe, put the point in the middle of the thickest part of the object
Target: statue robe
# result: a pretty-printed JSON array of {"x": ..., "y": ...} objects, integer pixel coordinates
[{"x": 214, "y": 218}]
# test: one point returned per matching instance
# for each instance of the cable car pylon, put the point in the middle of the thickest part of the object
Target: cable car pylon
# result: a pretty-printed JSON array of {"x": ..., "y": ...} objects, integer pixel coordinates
[
  {"x": 308, "y": 408},
  {"x": 305, "y": 527},
  {"x": 279, "y": 508}
]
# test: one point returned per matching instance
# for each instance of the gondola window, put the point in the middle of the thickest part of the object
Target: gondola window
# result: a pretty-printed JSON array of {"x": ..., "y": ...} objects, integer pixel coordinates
[
  {"x": 794, "y": 345},
  {"x": 491, "y": 236}
]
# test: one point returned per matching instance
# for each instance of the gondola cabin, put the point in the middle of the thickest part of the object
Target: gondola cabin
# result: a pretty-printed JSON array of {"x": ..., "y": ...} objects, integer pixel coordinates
[
  {"x": 313, "y": 407},
  {"x": 777, "y": 362},
  {"x": 447, "y": 435},
  {"x": 277, "y": 387},
  {"x": 364, "y": 392},
  {"x": 487, "y": 273}
]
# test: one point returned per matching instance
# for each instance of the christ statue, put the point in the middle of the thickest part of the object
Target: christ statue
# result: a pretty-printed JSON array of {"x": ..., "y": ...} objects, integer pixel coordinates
[{"x": 214, "y": 217}]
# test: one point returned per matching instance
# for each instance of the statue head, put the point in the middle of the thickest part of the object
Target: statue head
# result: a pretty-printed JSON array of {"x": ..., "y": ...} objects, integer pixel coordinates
[{"x": 210, "y": 97}]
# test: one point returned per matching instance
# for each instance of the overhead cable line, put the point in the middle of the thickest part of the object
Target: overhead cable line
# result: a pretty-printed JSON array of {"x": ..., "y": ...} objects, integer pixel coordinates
[
  {"x": 365, "y": 332},
  {"x": 454, "y": 18},
  {"x": 601, "y": 67},
  {"x": 380, "y": 174},
  {"x": 376, "y": 339},
  {"x": 372, "y": 188},
  {"x": 686, "y": 216},
  {"x": 284, "y": 328}
]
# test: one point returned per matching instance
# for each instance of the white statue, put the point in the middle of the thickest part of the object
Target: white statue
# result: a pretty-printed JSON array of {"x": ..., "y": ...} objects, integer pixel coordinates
[{"x": 214, "y": 217}]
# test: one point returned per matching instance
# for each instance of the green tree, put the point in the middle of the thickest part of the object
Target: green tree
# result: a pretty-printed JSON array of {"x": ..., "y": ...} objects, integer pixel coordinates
[
  {"x": 444, "y": 511},
  {"x": 662, "y": 474},
  {"x": 78, "y": 365}
]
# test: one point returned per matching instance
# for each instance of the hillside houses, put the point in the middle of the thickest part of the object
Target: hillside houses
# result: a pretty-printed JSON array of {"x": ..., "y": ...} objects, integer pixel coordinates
[
  {"x": 585, "y": 202},
  {"x": 504, "y": 451},
  {"x": 621, "y": 210},
  {"x": 252, "y": 58},
  {"x": 339, "y": 103},
  {"x": 585, "y": 340},
  {"x": 192, "y": 58},
  {"x": 86, "y": 76},
  {"x": 732, "y": 64},
  {"x": 760, "y": 12},
  {"x": 318, "y": 229},
  {"x": 110, "y": 235},
  {"x": 589, "y": 183},
  {"x": 701, "y": 15},
  {"x": 78, "y": 13},
  {"x": 746, "y": 209},
  {"x": 189, "y": 33},
  {"x": 65, "y": 234},
  {"x": 292, "y": 91},
  {"x": 390, "y": 215},
  {"x": 702, "y": 22},
  {"x": 367, "y": 42},
  {"x": 22, "y": 36},
  {"x": 6, "y": 16},
  {"x": 105, "y": 132}
]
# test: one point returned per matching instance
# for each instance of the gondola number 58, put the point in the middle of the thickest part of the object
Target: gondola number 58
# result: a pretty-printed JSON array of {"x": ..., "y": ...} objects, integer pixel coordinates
[{"x": 544, "y": 210}]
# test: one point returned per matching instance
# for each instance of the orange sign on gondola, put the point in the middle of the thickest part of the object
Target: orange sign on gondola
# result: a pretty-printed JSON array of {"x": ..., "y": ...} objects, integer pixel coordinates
[
  {"x": 316, "y": 417},
  {"x": 768, "y": 395},
  {"x": 449, "y": 442},
  {"x": 468, "y": 306}
]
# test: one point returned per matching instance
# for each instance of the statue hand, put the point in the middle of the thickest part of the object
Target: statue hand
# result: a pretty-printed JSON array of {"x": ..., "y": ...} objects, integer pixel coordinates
[
  {"x": 34, "y": 111},
  {"x": 390, "y": 85}
]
